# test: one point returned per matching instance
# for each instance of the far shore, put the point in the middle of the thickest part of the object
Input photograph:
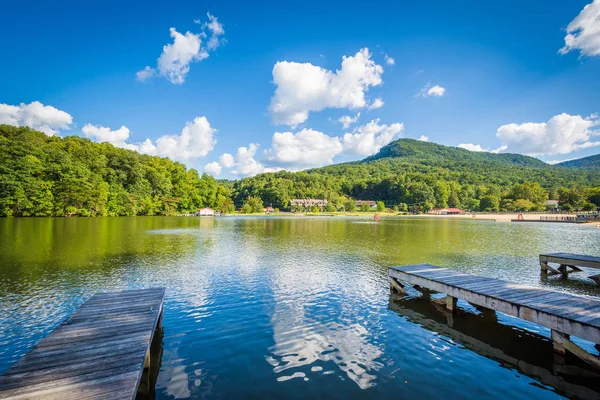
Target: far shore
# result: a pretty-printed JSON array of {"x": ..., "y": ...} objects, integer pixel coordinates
[{"x": 497, "y": 217}]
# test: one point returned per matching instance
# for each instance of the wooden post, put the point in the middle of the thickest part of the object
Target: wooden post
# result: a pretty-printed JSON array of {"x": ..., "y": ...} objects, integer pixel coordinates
[
  {"x": 544, "y": 269},
  {"x": 394, "y": 284},
  {"x": 147, "y": 361},
  {"x": 557, "y": 342},
  {"x": 451, "y": 304},
  {"x": 562, "y": 343}
]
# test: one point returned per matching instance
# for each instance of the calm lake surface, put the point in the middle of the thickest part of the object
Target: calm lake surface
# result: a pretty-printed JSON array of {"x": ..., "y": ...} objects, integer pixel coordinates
[{"x": 300, "y": 307}]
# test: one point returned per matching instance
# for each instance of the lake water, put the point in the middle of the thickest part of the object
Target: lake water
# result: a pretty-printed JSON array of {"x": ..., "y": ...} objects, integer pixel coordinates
[{"x": 300, "y": 307}]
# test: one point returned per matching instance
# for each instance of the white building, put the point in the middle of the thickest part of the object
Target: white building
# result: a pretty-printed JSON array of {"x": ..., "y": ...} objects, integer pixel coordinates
[{"x": 206, "y": 212}]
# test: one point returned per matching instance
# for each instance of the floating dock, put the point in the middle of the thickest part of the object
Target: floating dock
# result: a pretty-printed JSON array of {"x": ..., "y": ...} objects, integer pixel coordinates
[
  {"x": 568, "y": 263},
  {"x": 99, "y": 352},
  {"x": 564, "y": 314}
]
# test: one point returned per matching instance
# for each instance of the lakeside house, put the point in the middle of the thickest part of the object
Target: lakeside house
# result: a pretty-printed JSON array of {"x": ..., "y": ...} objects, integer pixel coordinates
[
  {"x": 206, "y": 212},
  {"x": 447, "y": 211},
  {"x": 552, "y": 204},
  {"x": 370, "y": 203},
  {"x": 269, "y": 210},
  {"x": 308, "y": 203}
]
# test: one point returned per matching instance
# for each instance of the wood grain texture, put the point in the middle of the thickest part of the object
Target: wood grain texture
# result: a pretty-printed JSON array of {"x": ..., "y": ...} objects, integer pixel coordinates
[
  {"x": 98, "y": 352},
  {"x": 562, "y": 312}
]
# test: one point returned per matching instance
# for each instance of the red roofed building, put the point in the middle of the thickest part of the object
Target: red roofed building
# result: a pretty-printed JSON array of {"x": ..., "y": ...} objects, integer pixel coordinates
[{"x": 447, "y": 211}]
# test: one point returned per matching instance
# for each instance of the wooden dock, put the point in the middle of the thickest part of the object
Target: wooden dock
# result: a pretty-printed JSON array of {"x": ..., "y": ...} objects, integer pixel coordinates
[
  {"x": 564, "y": 314},
  {"x": 99, "y": 352},
  {"x": 526, "y": 351},
  {"x": 568, "y": 263}
]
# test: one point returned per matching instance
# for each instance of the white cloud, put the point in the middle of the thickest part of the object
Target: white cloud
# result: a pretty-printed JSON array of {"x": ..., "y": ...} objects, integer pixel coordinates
[
  {"x": 213, "y": 168},
  {"x": 145, "y": 74},
  {"x": 227, "y": 160},
  {"x": 562, "y": 134},
  {"x": 174, "y": 62},
  {"x": 196, "y": 140},
  {"x": 389, "y": 60},
  {"x": 216, "y": 28},
  {"x": 304, "y": 149},
  {"x": 423, "y": 138},
  {"x": 303, "y": 87},
  {"x": 472, "y": 147},
  {"x": 478, "y": 148},
  {"x": 37, "y": 116},
  {"x": 377, "y": 103},
  {"x": 102, "y": 134},
  {"x": 246, "y": 165},
  {"x": 176, "y": 58},
  {"x": 583, "y": 33},
  {"x": 369, "y": 138},
  {"x": 428, "y": 90},
  {"x": 347, "y": 120}
]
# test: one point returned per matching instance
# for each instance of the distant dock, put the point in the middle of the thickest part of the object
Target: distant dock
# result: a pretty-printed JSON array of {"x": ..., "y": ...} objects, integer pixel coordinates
[
  {"x": 567, "y": 219},
  {"x": 568, "y": 263},
  {"x": 564, "y": 314},
  {"x": 99, "y": 352}
]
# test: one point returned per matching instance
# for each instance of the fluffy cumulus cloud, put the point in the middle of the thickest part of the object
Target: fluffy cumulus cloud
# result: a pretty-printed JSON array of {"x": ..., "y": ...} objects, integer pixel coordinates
[
  {"x": 227, "y": 160},
  {"x": 213, "y": 168},
  {"x": 175, "y": 60},
  {"x": 116, "y": 137},
  {"x": 428, "y": 91},
  {"x": 562, "y": 134},
  {"x": 377, "y": 103},
  {"x": 196, "y": 140},
  {"x": 423, "y": 138},
  {"x": 304, "y": 149},
  {"x": 583, "y": 33},
  {"x": 245, "y": 164},
  {"x": 347, "y": 120},
  {"x": 37, "y": 116},
  {"x": 369, "y": 138},
  {"x": 304, "y": 87}
]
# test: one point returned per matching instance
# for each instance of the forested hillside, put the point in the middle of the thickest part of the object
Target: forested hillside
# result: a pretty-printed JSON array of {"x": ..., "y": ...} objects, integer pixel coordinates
[
  {"x": 72, "y": 176},
  {"x": 52, "y": 176},
  {"x": 410, "y": 172},
  {"x": 591, "y": 163}
]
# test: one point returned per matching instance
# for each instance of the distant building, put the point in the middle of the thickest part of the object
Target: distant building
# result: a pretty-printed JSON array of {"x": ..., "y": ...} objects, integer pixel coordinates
[
  {"x": 308, "y": 203},
  {"x": 370, "y": 203},
  {"x": 269, "y": 210},
  {"x": 447, "y": 211},
  {"x": 552, "y": 204},
  {"x": 206, "y": 212}
]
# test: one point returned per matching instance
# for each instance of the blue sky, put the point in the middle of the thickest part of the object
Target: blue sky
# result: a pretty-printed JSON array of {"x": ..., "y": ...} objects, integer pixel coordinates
[{"x": 485, "y": 76}]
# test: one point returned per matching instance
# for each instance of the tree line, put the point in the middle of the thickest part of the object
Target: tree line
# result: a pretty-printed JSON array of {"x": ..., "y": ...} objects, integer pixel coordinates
[{"x": 72, "y": 176}]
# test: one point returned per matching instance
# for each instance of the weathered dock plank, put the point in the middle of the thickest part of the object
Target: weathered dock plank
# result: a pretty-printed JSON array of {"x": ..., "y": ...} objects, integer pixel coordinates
[
  {"x": 98, "y": 352},
  {"x": 568, "y": 263},
  {"x": 565, "y": 314}
]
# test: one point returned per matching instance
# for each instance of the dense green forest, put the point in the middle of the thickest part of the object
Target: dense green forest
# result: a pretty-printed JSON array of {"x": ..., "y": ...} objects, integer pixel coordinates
[
  {"x": 73, "y": 176},
  {"x": 52, "y": 176},
  {"x": 409, "y": 173},
  {"x": 591, "y": 163}
]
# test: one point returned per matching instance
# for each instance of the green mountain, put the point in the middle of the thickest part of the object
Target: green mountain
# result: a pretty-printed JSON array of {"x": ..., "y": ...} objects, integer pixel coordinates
[
  {"x": 432, "y": 152},
  {"x": 590, "y": 163},
  {"x": 414, "y": 172}
]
